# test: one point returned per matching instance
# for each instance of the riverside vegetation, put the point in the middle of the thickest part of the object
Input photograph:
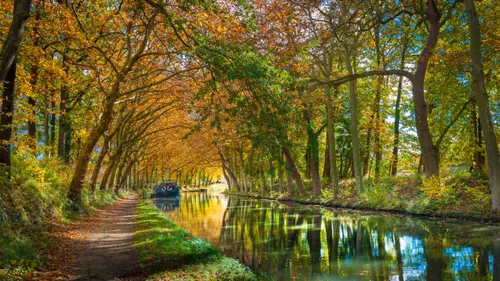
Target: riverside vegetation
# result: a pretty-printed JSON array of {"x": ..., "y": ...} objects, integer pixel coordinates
[{"x": 389, "y": 105}]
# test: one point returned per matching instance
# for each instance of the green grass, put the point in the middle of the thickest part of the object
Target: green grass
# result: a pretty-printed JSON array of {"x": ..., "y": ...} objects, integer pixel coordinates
[
  {"x": 18, "y": 254},
  {"x": 168, "y": 252}
]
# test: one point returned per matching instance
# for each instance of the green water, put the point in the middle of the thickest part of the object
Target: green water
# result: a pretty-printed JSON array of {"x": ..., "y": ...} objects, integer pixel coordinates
[{"x": 294, "y": 242}]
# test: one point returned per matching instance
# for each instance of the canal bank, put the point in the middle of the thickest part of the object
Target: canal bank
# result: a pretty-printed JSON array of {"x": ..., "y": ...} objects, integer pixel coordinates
[{"x": 363, "y": 206}]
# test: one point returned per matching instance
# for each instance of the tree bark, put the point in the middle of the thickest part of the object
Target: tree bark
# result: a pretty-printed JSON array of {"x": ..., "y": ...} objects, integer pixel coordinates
[
  {"x": 293, "y": 169},
  {"x": 280, "y": 172},
  {"x": 429, "y": 154},
  {"x": 82, "y": 163},
  {"x": 32, "y": 104},
  {"x": 271, "y": 174},
  {"x": 332, "y": 153},
  {"x": 490, "y": 141},
  {"x": 98, "y": 164},
  {"x": 63, "y": 116},
  {"x": 479, "y": 160},
  {"x": 356, "y": 151},
  {"x": 313, "y": 152},
  {"x": 9, "y": 92},
  {"x": 397, "y": 116}
]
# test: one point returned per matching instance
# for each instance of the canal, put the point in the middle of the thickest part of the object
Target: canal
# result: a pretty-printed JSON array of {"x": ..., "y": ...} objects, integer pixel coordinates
[{"x": 296, "y": 242}]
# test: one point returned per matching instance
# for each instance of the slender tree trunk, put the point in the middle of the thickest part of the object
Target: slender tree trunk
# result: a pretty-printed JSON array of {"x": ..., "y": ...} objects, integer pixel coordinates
[
  {"x": 326, "y": 160},
  {"x": 98, "y": 164},
  {"x": 490, "y": 141},
  {"x": 280, "y": 172},
  {"x": 261, "y": 171},
  {"x": 53, "y": 125},
  {"x": 358, "y": 173},
  {"x": 224, "y": 172},
  {"x": 9, "y": 95},
  {"x": 229, "y": 171},
  {"x": 368, "y": 144},
  {"x": 242, "y": 171},
  {"x": 63, "y": 114},
  {"x": 46, "y": 121},
  {"x": 479, "y": 160},
  {"x": 289, "y": 182},
  {"x": 32, "y": 103},
  {"x": 262, "y": 177},
  {"x": 397, "y": 116},
  {"x": 376, "y": 109},
  {"x": 332, "y": 152},
  {"x": 271, "y": 174},
  {"x": 313, "y": 152}
]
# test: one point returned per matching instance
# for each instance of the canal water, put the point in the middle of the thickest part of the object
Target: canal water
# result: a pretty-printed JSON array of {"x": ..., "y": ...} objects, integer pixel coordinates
[{"x": 295, "y": 242}]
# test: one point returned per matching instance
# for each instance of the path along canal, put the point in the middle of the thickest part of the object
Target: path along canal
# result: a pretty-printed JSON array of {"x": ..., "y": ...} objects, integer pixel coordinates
[{"x": 296, "y": 242}]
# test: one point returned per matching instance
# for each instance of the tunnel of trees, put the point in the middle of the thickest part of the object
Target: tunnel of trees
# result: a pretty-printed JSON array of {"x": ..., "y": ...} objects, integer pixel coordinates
[{"x": 301, "y": 98}]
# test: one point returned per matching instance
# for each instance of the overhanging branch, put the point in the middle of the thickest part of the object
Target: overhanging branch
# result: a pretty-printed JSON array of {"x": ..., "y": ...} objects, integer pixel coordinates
[{"x": 348, "y": 78}]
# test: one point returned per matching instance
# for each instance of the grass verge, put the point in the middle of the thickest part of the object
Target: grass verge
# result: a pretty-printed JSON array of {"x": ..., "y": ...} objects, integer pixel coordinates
[{"x": 167, "y": 252}]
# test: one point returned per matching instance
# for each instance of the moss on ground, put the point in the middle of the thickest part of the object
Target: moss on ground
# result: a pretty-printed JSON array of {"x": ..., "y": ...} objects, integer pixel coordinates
[{"x": 167, "y": 252}]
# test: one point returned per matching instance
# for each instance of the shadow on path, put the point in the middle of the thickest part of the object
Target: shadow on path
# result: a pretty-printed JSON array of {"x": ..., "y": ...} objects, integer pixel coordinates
[{"x": 108, "y": 253}]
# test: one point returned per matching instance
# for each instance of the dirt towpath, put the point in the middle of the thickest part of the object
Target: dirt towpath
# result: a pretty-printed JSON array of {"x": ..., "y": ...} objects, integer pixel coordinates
[{"x": 108, "y": 252}]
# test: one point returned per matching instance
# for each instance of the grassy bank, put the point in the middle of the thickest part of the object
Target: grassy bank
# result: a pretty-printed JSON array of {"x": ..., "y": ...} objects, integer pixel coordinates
[
  {"x": 167, "y": 252},
  {"x": 457, "y": 197}
]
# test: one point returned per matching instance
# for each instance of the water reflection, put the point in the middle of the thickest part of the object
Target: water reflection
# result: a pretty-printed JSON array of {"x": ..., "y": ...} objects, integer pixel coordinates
[{"x": 300, "y": 243}]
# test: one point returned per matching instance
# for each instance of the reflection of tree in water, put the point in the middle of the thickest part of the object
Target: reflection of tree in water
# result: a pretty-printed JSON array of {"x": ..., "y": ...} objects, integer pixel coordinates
[{"x": 293, "y": 242}]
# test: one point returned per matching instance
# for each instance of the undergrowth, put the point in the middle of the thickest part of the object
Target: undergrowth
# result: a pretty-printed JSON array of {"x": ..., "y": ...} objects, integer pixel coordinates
[
  {"x": 34, "y": 198},
  {"x": 460, "y": 194}
]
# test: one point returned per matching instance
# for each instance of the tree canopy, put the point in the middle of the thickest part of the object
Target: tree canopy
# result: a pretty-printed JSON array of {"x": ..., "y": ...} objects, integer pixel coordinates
[{"x": 269, "y": 96}]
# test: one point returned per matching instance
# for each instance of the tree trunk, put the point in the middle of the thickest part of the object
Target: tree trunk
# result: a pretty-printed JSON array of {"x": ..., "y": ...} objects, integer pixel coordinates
[
  {"x": 52, "y": 124},
  {"x": 429, "y": 154},
  {"x": 46, "y": 121},
  {"x": 358, "y": 173},
  {"x": 63, "y": 114},
  {"x": 368, "y": 144},
  {"x": 262, "y": 179},
  {"x": 313, "y": 152},
  {"x": 32, "y": 104},
  {"x": 280, "y": 173},
  {"x": 479, "y": 160},
  {"x": 8, "y": 66},
  {"x": 75, "y": 192},
  {"x": 107, "y": 174},
  {"x": 326, "y": 160},
  {"x": 98, "y": 164},
  {"x": 226, "y": 175},
  {"x": 9, "y": 95},
  {"x": 490, "y": 141},
  {"x": 289, "y": 182},
  {"x": 397, "y": 116},
  {"x": 271, "y": 174},
  {"x": 225, "y": 165},
  {"x": 295, "y": 173},
  {"x": 376, "y": 108}
]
